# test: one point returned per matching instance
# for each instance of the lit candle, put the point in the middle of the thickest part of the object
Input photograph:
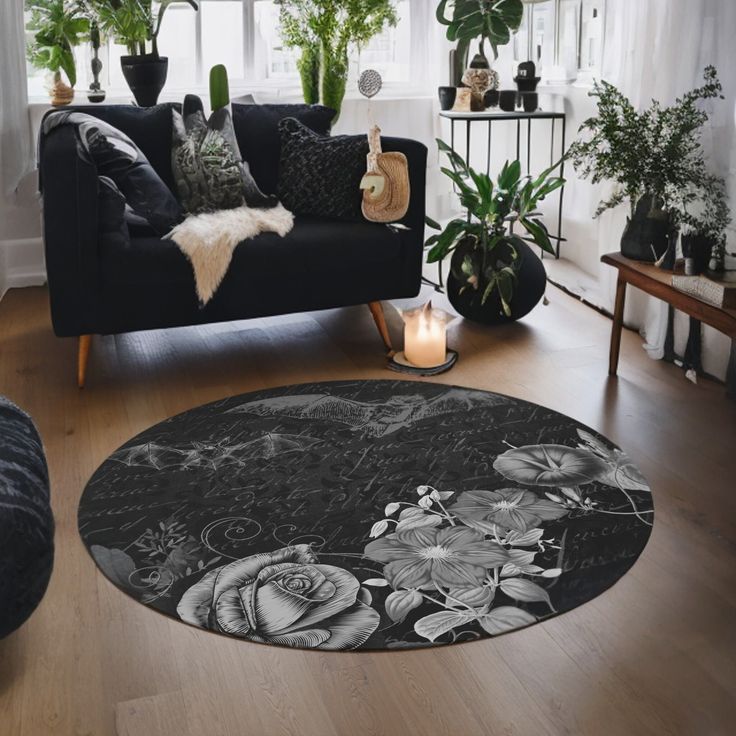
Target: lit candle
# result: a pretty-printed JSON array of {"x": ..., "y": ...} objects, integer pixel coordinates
[{"x": 425, "y": 336}]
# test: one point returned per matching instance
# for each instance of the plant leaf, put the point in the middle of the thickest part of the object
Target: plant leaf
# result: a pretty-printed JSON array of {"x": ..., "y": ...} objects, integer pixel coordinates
[
  {"x": 433, "y": 626},
  {"x": 521, "y": 589},
  {"x": 505, "y": 618},
  {"x": 401, "y": 602}
]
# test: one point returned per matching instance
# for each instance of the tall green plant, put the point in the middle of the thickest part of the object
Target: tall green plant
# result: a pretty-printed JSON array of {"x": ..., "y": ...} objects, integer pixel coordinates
[
  {"x": 324, "y": 30},
  {"x": 489, "y": 20},
  {"x": 57, "y": 27},
  {"x": 489, "y": 246},
  {"x": 133, "y": 23},
  {"x": 655, "y": 152}
]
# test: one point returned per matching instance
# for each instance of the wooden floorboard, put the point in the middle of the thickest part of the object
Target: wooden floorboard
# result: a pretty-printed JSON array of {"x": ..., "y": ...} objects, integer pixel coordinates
[{"x": 656, "y": 654}]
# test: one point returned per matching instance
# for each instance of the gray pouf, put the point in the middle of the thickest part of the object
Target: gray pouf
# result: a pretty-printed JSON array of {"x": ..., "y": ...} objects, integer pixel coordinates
[{"x": 26, "y": 522}]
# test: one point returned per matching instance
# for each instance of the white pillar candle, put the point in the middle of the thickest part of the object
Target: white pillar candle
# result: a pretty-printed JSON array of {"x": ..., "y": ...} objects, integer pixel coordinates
[{"x": 425, "y": 336}]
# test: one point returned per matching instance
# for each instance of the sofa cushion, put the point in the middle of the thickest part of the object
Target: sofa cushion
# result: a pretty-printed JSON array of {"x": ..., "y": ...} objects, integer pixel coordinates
[
  {"x": 257, "y": 131},
  {"x": 319, "y": 175}
]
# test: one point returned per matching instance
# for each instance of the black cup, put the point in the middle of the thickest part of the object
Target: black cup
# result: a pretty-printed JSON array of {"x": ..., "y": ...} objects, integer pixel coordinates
[
  {"x": 530, "y": 101},
  {"x": 490, "y": 98},
  {"x": 507, "y": 100},
  {"x": 447, "y": 97}
]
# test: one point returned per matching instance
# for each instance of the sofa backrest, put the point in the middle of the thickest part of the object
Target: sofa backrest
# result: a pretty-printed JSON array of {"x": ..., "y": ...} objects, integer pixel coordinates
[{"x": 256, "y": 129}]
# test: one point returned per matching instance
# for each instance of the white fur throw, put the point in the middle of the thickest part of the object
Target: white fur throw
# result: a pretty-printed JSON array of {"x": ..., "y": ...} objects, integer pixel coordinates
[{"x": 208, "y": 240}]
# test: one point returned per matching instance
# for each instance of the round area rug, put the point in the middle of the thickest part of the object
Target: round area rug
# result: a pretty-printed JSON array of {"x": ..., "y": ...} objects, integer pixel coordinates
[{"x": 366, "y": 515}]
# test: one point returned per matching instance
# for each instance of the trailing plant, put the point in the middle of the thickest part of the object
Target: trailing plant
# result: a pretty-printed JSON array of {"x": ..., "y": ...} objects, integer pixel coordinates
[
  {"x": 655, "y": 152},
  {"x": 490, "y": 20},
  {"x": 133, "y": 23},
  {"x": 57, "y": 27},
  {"x": 490, "y": 257},
  {"x": 324, "y": 30}
]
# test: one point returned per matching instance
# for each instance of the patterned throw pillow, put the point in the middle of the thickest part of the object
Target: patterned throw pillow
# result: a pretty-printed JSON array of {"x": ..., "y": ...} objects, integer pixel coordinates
[
  {"x": 208, "y": 170},
  {"x": 116, "y": 156},
  {"x": 320, "y": 175}
]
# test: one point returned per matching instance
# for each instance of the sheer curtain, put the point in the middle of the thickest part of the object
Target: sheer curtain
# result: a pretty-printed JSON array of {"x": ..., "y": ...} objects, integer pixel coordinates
[
  {"x": 16, "y": 147},
  {"x": 658, "y": 49}
]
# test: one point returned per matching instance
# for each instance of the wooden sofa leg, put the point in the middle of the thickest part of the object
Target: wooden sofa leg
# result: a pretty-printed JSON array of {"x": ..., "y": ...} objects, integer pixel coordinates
[
  {"x": 380, "y": 320},
  {"x": 84, "y": 344}
]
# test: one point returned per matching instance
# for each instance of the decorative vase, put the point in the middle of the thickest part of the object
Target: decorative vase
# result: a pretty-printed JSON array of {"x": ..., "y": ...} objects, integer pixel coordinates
[
  {"x": 60, "y": 92},
  {"x": 530, "y": 101},
  {"x": 529, "y": 289},
  {"x": 646, "y": 235},
  {"x": 490, "y": 99},
  {"x": 526, "y": 77},
  {"x": 479, "y": 77},
  {"x": 95, "y": 93},
  {"x": 669, "y": 258},
  {"x": 462, "y": 100},
  {"x": 507, "y": 100},
  {"x": 146, "y": 77},
  {"x": 696, "y": 250},
  {"x": 447, "y": 97}
]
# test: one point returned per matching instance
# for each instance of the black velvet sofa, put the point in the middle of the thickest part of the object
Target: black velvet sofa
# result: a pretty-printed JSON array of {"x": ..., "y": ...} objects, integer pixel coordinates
[{"x": 101, "y": 288}]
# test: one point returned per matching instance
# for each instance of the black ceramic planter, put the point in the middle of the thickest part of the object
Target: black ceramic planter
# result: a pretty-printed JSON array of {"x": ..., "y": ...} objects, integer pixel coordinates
[
  {"x": 507, "y": 100},
  {"x": 528, "y": 291},
  {"x": 530, "y": 101},
  {"x": 645, "y": 237},
  {"x": 698, "y": 248},
  {"x": 447, "y": 97},
  {"x": 146, "y": 77},
  {"x": 490, "y": 99}
]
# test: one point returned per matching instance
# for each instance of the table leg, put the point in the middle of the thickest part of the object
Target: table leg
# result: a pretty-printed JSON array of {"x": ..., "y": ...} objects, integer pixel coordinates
[{"x": 618, "y": 323}]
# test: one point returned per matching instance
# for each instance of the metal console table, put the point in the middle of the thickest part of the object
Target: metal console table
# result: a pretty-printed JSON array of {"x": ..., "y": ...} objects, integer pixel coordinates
[{"x": 492, "y": 116}]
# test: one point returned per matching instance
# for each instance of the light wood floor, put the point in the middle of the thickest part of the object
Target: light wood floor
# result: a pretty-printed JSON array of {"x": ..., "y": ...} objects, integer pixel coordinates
[{"x": 656, "y": 654}]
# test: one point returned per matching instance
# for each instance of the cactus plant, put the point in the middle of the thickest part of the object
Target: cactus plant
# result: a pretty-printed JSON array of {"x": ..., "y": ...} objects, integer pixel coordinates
[{"x": 219, "y": 88}]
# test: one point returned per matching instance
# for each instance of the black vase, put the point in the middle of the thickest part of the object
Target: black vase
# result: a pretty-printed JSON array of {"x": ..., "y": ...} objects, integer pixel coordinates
[
  {"x": 529, "y": 289},
  {"x": 698, "y": 248},
  {"x": 146, "y": 77},
  {"x": 490, "y": 99},
  {"x": 530, "y": 100},
  {"x": 447, "y": 97},
  {"x": 646, "y": 236},
  {"x": 507, "y": 100}
]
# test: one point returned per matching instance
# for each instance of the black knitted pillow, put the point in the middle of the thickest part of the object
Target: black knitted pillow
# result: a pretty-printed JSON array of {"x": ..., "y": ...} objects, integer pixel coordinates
[
  {"x": 320, "y": 175},
  {"x": 26, "y": 523}
]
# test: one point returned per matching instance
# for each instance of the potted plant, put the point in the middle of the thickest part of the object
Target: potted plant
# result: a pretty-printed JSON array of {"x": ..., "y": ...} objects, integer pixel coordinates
[
  {"x": 489, "y": 20},
  {"x": 494, "y": 275},
  {"x": 703, "y": 216},
  {"x": 134, "y": 24},
  {"x": 652, "y": 156},
  {"x": 57, "y": 27},
  {"x": 324, "y": 30}
]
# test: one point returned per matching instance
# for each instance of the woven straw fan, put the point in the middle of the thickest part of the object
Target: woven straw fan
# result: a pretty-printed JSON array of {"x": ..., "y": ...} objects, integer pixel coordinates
[{"x": 386, "y": 182}]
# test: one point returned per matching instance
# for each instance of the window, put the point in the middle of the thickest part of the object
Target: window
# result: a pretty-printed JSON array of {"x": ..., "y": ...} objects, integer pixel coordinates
[{"x": 244, "y": 36}]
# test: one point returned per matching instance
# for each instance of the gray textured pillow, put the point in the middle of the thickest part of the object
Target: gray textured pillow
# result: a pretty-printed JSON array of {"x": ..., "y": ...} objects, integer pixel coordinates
[{"x": 209, "y": 171}]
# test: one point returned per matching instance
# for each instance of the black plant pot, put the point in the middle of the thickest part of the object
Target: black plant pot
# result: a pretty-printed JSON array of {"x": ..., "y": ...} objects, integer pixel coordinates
[
  {"x": 447, "y": 97},
  {"x": 698, "y": 248},
  {"x": 647, "y": 234},
  {"x": 146, "y": 77},
  {"x": 507, "y": 100},
  {"x": 490, "y": 98},
  {"x": 528, "y": 290}
]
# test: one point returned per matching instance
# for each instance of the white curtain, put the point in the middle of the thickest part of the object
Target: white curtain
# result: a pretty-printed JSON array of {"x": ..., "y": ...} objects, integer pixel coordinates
[
  {"x": 658, "y": 49},
  {"x": 16, "y": 146}
]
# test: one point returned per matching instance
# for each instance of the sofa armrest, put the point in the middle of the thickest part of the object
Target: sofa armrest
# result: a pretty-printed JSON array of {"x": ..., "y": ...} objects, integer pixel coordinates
[{"x": 70, "y": 189}]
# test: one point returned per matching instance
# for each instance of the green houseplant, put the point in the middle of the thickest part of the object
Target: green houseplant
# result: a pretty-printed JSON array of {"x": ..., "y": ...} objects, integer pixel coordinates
[
  {"x": 57, "y": 26},
  {"x": 653, "y": 156},
  {"x": 489, "y": 20},
  {"x": 324, "y": 30},
  {"x": 136, "y": 25},
  {"x": 494, "y": 275}
]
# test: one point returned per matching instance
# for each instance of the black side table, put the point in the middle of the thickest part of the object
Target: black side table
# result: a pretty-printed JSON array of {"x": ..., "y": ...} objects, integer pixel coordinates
[{"x": 491, "y": 116}]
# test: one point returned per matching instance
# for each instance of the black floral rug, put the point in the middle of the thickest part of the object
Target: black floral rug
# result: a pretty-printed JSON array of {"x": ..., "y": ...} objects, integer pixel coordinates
[{"x": 366, "y": 515}]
